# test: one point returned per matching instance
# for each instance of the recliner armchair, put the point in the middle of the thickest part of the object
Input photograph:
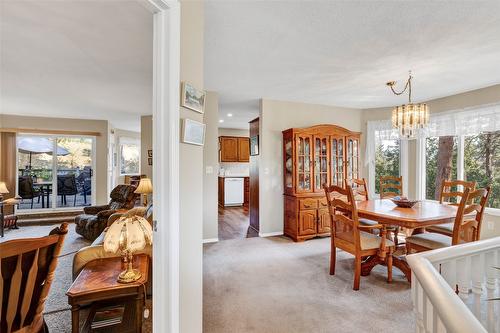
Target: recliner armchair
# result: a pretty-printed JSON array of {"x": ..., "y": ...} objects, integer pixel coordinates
[{"x": 92, "y": 223}]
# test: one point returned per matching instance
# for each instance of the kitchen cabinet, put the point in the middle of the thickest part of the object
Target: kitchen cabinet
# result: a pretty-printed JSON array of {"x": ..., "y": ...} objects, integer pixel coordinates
[
  {"x": 234, "y": 149},
  {"x": 313, "y": 157}
]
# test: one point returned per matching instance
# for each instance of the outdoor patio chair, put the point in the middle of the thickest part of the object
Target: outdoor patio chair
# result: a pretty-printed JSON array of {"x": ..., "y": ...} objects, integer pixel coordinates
[
  {"x": 66, "y": 185},
  {"x": 27, "y": 190}
]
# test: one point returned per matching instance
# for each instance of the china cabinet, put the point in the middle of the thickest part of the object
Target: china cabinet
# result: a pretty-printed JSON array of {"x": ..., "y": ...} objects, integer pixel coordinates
[{"x": 312, "y": 157}]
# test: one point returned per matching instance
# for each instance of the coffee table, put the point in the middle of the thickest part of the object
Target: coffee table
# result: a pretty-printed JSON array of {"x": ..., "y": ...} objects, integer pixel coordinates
[{"x": 97, "y": 284}]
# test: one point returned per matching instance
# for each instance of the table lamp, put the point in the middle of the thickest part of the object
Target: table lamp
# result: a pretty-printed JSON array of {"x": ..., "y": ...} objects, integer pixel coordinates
[
  {"x": 3, "y": 190},
  {"x": 144, "y": 188},
  {"x": 128, "y": 235}
]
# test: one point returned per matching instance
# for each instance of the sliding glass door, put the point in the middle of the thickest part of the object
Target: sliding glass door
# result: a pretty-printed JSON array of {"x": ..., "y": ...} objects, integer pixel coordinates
[{"x": 55, "y": 172}]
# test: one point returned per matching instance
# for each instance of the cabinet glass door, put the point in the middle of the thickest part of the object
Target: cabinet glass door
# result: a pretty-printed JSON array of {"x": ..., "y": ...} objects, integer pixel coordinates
[
  {"x": 352, "y": 158},
  {"x": 321, "y": 170},
  {"x": 337, "y": 157},
  {"x": 304, "y": 164},
  {"x": 288, "y": 164}
]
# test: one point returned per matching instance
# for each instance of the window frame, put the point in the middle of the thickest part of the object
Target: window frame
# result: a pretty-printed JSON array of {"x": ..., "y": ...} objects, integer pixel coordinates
[
  {"x": 403, "y": 168},
  {"x": 125, "y": 140},
  {"x": 421, "y": 172}
]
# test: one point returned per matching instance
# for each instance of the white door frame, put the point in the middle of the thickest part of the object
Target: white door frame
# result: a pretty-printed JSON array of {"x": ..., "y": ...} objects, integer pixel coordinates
[{"x": 166, "y": 82}]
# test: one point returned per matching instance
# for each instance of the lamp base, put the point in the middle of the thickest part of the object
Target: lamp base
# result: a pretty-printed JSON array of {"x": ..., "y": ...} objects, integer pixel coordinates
[{"x": 129, "y": 276}]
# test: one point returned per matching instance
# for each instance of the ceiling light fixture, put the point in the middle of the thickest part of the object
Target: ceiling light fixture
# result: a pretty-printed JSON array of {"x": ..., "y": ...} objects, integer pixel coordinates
[
  {"x": 409, "y": 118},
  {"x": 221, "y": 120},
  {"x": 229, "y": 114}
]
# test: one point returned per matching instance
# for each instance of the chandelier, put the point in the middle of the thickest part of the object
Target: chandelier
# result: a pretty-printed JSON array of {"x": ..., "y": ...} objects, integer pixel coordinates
[{"x": 409, "y": 118}]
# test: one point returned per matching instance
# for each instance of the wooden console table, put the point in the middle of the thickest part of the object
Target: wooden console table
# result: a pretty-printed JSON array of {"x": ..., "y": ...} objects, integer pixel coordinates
[{"x": 97, "y": 283}]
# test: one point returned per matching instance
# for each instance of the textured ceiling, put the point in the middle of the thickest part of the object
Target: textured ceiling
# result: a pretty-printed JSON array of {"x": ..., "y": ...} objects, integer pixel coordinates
[
  {"x": 77, "y": 59},
  {"x": 342, "y": 52}
]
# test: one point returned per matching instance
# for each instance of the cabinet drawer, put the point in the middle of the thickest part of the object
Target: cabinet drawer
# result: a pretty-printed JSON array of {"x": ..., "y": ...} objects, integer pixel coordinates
[
  {"x": 308, "y": 204},
  {"x": 322, "y": 203}
]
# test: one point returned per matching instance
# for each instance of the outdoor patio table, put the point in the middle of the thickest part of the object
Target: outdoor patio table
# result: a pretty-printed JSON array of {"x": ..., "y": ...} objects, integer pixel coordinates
[{"x": 45, "y": 188}]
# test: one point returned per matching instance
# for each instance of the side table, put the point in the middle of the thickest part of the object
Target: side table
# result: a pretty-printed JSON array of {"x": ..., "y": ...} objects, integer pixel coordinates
[{"x": 97, "y": 282}]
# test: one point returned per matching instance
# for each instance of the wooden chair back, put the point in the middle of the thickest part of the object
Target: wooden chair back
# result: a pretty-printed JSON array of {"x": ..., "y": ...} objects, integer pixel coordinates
[
  {"x": 450, "y": 190},
  {"x": 27, "y": 271},
  {"x": 359, "y": 188},
  {"x": 390, "y": 186},
  {"x": 343, "y": 212},
  {"x": 467, "y": 227}
]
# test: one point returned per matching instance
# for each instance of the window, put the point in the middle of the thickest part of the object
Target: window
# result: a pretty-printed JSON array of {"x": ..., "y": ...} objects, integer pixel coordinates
[
  {"x": 130, "y": 152},
  {"x": 440, "y": 163},
  {"x": 482, "y": 163},
  {"x": 387, "y": 160},
  {"x": 55, "y": 171}
]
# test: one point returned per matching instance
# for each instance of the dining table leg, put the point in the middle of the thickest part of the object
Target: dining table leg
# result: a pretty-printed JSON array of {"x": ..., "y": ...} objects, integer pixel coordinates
[{"x": 398, "y": 262}]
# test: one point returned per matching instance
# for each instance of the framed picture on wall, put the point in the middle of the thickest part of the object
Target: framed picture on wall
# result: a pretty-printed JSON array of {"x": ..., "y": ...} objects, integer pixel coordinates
[
  {"x": 193, "y": 132},
  {"x": 192, "y": 98},
  {"x": 254, "y": 145},
  {"x": 150, "y": 153},
  {"x": 150, "y": 161}
]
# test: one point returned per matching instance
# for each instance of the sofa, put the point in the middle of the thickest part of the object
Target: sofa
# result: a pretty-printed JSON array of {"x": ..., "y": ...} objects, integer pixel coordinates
[
  {"x": 91, "y": 224},
  {"x": 96, "y": 249}
]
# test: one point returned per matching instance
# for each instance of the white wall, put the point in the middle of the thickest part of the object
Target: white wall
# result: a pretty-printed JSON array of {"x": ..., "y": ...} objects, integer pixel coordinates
[
  {"x": 233, "y": 132},
  {"x": 146, "y": 144},
  {"x": 276, "y": 116},
  {"x": 210, "y": 168},
  {"x": 191, "y": 176}
]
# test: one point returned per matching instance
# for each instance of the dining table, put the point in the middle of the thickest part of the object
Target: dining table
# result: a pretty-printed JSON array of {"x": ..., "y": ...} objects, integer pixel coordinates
[{"x": 423, "y": 214}]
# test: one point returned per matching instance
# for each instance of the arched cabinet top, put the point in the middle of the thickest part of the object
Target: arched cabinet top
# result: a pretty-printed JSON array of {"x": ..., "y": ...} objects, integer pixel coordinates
[{"x": 323, "y": 129}]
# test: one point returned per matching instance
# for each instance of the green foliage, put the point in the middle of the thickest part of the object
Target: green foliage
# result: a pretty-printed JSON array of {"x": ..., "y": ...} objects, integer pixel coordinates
[
  {"x": 386, "y": 161},
  {"x": 482, "y": 163},
  {"x": 484, "y": 171}
]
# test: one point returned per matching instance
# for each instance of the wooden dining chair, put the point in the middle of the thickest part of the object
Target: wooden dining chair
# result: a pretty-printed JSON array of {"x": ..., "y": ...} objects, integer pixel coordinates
[
  {"x": 360, "y": 193},
  {"x": 465, "y": 229},
  {"x": 350, "y": 236},
  {"x": 27, "y": 271},
  {"x": 391, "y": 186},
  {"x": 451, "y": 189}
]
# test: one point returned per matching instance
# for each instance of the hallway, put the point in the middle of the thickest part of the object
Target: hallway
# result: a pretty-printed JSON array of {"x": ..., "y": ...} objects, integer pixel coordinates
[{"x": 234, "y": 223}]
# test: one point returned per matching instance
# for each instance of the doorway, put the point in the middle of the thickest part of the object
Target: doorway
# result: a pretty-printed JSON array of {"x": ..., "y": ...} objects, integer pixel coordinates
[{"x": 234, "y": 185}]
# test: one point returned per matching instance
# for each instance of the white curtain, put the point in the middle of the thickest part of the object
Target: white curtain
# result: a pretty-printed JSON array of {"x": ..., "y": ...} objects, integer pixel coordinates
[{"x": 468, "y": 121}]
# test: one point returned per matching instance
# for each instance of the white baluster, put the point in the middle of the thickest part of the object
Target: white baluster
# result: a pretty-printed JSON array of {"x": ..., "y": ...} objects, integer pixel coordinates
[
  {"x": 463, "y": 278},
  {"x": 490, "y": 271},
  {"x": 477, "y": 274},
  {"x": 449, "y": 272},
  {"x": 419, "y": 308}
]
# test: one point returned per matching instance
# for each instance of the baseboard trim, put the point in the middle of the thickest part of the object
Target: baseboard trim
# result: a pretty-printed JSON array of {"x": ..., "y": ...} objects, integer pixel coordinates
[
  {"x": 210, "y": 240},
  {"x": 270, "y": 234}
]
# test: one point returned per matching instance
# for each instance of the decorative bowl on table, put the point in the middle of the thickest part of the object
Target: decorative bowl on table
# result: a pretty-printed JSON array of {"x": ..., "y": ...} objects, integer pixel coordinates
[{"x": 403, "y": 202}]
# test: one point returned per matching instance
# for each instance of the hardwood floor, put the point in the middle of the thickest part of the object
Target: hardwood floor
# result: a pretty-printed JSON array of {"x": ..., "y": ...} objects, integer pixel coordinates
[{"x": 234, "y": 223}]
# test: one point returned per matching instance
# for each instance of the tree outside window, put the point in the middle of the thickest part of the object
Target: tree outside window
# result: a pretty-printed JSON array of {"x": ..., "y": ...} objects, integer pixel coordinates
[
  {"x": 482, "y": 163},
  {"x": 440, "y": 163},
  {"x": 387, "y": 158}
]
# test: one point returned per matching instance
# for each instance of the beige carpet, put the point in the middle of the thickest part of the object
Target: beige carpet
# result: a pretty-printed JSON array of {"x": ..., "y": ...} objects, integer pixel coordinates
[{"x": 273, "y": 285}]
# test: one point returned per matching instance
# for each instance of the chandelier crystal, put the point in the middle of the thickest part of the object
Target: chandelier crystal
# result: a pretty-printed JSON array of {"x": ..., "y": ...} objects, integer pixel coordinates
[{"x": 409, "y": 118}]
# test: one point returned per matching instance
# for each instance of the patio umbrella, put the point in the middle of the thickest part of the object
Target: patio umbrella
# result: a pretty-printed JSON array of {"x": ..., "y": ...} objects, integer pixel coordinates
[{"x": 38, "y": 145}]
